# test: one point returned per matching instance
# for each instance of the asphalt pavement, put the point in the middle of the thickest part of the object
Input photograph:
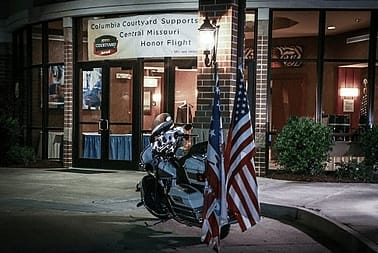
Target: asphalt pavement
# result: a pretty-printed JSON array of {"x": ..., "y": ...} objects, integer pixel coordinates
[{"x": 90, "y": 210}]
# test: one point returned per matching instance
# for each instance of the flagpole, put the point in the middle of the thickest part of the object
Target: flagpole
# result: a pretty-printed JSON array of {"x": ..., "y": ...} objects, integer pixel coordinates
[
  {"x": 215, "y": 208},
  {"x": 220, "y": 143}
]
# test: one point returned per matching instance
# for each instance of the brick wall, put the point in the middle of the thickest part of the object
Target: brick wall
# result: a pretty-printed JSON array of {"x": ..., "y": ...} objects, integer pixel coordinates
[
  {"x": 225, "y": 14},
  {"x": 261, "y": 95}
]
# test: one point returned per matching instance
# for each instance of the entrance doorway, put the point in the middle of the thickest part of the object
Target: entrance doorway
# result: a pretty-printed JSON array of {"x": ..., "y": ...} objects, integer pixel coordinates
[
  {"x": 108, "y": 128},
  {"x": 116, "y": 104}
]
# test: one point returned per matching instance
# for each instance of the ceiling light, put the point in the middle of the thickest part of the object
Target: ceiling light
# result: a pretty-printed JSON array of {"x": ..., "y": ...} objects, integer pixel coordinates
[
  {"x": 358, "y": 38},
  {"x": 331, "y": 27},
  {"x": 348, "y": 92},
  {"x": 150, "y": 81}
]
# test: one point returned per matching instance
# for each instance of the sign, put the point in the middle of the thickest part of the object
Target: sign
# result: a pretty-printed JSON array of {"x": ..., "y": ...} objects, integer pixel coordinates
[
  {"x": 156, "y": 35},
  {"x": 289, "y": 54}
]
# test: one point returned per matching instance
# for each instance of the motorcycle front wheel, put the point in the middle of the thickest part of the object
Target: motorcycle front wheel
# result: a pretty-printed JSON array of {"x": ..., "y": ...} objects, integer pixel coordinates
[{"x": 153, "y": 199}]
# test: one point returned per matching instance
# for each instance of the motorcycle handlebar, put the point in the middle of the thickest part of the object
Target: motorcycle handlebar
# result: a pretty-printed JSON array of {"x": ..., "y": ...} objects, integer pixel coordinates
[
  {"x": 186, "y": 136},
  {"x": 177, "y": 133}
]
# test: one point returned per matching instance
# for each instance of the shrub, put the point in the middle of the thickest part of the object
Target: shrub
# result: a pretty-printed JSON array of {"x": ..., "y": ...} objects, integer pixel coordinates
[
  {"x": 9, "y": 133},
  {"x": 369, "y": 145},
  {"x": 11, "y": 152},
  {"x": 20, "y": 155},
  {"x": 302, "y": 146},
  {"x": 355, "y": 171}
]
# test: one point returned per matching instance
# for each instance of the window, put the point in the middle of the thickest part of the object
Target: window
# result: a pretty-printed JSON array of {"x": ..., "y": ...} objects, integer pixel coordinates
[
  {"x": 346, "y": 51},
  {"x": 41, "y": 86},
  {"x": 55, "y": 41},
  {"x": 36, "y": 44},
  {"x": 346, "y": 35},
  {"x": 293, "y": 66}
]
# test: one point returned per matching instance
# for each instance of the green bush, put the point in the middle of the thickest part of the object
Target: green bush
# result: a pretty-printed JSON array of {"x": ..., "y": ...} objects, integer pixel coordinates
[
  {"x": 9, "y": 133},
  {"x": 11, "y": 151},
  {"x": 355, "y": 171},
  {"x": 365, "y": 171},
  {"x": 302, "y": 146},
  {"x": 369, "y": 145},
  {"x": 20, "y": 155}
]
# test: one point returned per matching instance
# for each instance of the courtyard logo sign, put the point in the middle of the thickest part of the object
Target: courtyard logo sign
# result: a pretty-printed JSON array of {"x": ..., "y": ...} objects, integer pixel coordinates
[
  {"x": 105, "y": 45},
  {"x": 158, "y": 35}
]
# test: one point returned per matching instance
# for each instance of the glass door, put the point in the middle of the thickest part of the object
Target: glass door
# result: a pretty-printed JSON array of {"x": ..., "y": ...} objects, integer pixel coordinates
[
  {"x": 120, "y": 114},
  {"x": 91, "y": 122},
  {"x": 107, "y": 135}
]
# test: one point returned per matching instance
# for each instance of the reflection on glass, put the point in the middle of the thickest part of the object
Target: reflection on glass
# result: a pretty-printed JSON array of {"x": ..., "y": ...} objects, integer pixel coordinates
[
  {"x": 249, "y": 33},
  {"x": 92, "y": 89},
  {"x": 153, "y": 87},
  {"x": 185, "y": 95},
  {"x": 56, "y": 82}
]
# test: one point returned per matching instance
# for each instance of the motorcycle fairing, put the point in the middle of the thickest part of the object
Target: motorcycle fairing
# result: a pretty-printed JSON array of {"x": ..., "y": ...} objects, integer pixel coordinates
[
  {"x": 187, "y": 202},
  {"x": 194, "y": 165}
]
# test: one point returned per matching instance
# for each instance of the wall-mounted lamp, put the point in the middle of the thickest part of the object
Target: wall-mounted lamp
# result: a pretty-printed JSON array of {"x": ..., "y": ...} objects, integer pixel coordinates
[
  {"x": 209, "y": 40},
  {"x": 349, "y": 92}
]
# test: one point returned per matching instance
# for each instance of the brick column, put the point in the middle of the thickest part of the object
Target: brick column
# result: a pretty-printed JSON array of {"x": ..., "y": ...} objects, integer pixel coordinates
[
  {"x": 225, "y": 13},
  {"x": 262, "y": 90},
  {"x": 68, "y": 92}
]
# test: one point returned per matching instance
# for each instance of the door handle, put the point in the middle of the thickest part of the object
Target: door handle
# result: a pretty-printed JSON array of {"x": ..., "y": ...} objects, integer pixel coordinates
[{"x": 103, "y": 125}]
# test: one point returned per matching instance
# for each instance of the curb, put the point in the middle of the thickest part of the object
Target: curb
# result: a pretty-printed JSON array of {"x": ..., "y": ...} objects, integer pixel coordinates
[{"x": 319, "y": 226}]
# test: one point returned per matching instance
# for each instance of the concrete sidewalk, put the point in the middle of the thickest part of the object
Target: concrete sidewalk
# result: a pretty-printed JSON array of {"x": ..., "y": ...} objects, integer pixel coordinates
[
  {"x": 340, "y": 214},
  {"x": 346, "y": 213}
]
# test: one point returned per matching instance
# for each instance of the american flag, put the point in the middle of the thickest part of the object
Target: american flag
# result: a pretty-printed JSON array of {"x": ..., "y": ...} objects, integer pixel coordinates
[
  {"x": 214, "y": 209},
  {"x": 241, "y": 184}
]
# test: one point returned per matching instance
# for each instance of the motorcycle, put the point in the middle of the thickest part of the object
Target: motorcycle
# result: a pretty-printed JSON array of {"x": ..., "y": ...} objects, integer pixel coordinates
[{"x": 174, "y": 185}]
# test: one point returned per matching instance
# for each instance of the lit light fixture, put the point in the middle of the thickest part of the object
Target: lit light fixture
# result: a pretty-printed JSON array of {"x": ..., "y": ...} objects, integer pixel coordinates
[
  {"x": 349, "y": 92},
  {"x": 331, "y": 27},
  {"x": 150, "y": 82},
  {"x": 209, "y": 40},
  {"x": 156, "y": 98}
]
